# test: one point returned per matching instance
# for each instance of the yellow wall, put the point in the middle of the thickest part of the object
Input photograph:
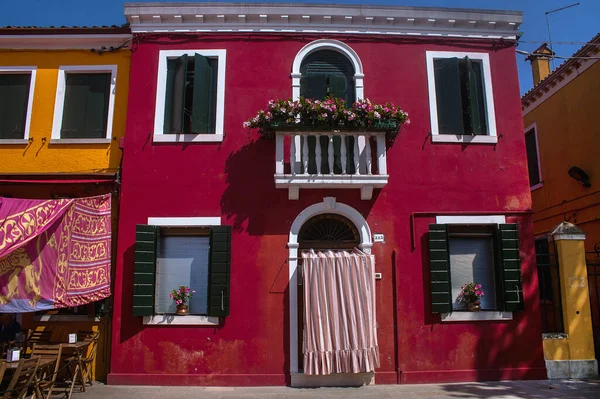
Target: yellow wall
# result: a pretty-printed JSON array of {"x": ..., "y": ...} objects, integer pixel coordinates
[
  {"x": 40, "y": 157},
  {"x": 568, "y": 135}
]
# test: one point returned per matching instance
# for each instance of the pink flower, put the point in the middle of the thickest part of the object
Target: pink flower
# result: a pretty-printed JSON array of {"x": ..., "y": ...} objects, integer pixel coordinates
[
  {"x": 246, "y": 124},
  {"x": 324, "y": 115},
  {"x": 179, "y": 302},
  {"x": 193, "y": 292},
  {"x": 187, "y": 289}
]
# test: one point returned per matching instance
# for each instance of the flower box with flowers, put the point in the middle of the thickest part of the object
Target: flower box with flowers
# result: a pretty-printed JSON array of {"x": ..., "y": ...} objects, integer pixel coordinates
[
  {"x": 469, "y": 296},
  {"x": 181, "y": 296}
]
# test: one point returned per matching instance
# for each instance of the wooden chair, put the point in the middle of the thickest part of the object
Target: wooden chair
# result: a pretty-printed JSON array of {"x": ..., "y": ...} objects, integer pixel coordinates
[
  {"x": 47, "y": 380},
  {"x": 36, "y": 337},
  {"x": 2, "y": 369},
  {"x": 86, "y": 361},
  {"x": 23, "y": 379}
]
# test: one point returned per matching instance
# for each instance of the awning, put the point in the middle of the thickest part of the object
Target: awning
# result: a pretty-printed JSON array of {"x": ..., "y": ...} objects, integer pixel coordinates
[{"x": 54, "y": 253}]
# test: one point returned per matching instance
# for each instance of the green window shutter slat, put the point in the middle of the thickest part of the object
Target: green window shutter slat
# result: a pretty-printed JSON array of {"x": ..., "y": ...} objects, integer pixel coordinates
[
  {"x": 476, "y": 98},
  {"x": 218, "y": 279},
  {"x": 144, "y": 270},
  {"x": 85, "y": 110},
  {"x": 439, "y": 268},
  {"x": 313, "y": 87},
  {"x": 14, "y": 97},
  {"x": 448, "y": 94},
  {"x": 532, "y": 158},
  {"x": 510, "y": 268},
  {"x": 337, "y": 86},
  {"x": 204, "y": 96},
  {"x": 175, "y": 95},
  {"x": 96, "y": 112}
]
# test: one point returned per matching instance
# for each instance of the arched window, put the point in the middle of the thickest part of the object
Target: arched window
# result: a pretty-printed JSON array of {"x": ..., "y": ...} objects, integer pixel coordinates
[
  {"x": 328, "y": 231},
  {"x": 327, "y": 73}
]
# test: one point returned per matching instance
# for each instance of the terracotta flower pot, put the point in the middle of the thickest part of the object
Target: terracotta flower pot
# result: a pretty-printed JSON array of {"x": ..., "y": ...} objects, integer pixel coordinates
[
  {"x": 182, "y": 309},
  {"x": 475, "y": 306}
]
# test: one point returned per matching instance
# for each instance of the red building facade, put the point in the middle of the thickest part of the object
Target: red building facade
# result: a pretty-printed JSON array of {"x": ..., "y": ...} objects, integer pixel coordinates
[{"x": 470, "y": 182}]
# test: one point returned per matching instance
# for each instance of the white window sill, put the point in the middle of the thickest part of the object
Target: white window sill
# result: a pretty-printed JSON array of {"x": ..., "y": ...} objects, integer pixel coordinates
[
  {"x": 476, "y": 316},
  {"x": 80, "y": 141},
  {"x": 65, "y": 317},
  {"x": 174, "y": 320},
  {"x": 13, "y": 141},
  {"x": 535, "y": 187},
  {"x": 188, "y": 138},
  {"x": 463, "y": 138}
]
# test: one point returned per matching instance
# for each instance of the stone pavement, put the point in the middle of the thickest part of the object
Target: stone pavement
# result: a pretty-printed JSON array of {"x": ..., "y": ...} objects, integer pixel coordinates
[{"x": 487, "y": 390}]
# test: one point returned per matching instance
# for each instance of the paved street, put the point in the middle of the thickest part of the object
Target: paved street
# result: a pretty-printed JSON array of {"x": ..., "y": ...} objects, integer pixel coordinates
[{"x": 488, "y": 390}]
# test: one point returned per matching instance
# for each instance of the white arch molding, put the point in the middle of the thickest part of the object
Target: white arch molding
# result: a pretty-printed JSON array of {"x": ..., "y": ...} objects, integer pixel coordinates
[
  {"x": 329, "y": 205},
  {"x": 328, "y": 44}
]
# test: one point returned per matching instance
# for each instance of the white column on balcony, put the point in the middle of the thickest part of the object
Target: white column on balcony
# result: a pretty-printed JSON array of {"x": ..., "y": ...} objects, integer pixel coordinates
[
  {"x": 293, "y": 154},
  {"x": 356, "y": 156},
  {"x": 330, "y": 151},
  {"x": 279, "y": 140},
  {"x": 343, "y": 152},
  {"x": 305, "y": 154},
  {"x": 381, "y": 155},
  {"x": 318, "y": 153},
  {"x": 368, "y": 153},
  {"x": 360, "y": 141}
]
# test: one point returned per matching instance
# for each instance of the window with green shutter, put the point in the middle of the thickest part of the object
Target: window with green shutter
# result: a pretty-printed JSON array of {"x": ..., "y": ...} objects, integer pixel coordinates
[
  {"x": 327, "y": 73},
  {"x": 86, "y": 102},
  {"x": 191, "y": 95},
  {"x": 14, "y": 97}
]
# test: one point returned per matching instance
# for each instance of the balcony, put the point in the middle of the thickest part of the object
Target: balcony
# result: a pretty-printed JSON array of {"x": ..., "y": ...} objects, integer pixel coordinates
[{"x": 331, "y": 160}]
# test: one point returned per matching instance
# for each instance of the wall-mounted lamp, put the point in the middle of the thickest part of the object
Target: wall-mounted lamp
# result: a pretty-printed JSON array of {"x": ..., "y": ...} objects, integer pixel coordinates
[{"x": 579, "y": 175}]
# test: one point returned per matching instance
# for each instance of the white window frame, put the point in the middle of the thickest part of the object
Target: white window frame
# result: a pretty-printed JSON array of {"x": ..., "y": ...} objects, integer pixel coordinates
[
  {"x": 491, "y": 137},
  {"x": 482, "y": 315},
  {"x": 161, "y": 92},
  {"x": 537, "y": 153},
  {"x": 170, "y": 319},
  {"x": 59, "y": 104},
  {"x": 18, "y": 70}
]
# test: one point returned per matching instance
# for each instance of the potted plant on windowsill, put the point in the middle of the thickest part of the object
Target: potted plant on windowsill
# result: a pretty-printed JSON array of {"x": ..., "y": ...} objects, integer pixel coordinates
[
  {"x": 181, "y": 296},
  {"x": 469, "y": 296}
]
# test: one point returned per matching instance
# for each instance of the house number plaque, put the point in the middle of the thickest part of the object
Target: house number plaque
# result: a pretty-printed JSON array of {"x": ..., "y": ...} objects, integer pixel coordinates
[{"x": 378, "y": 238}]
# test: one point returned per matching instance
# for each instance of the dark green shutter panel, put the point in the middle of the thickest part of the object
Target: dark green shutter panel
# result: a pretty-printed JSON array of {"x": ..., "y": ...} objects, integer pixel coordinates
[
  {"x": 337, "y": 86},
  {"x": 96, "y": 112},
  {"x": 14, "y": 96},
  {"x": 439, "y": 268},
  {"x": 510, "y": 267},
  {"x": 476, "y": 99},
  {"x": 218, "y": 279},
  {"x": 144, "y": 270},
  {"x": 313, "y": 87},
  {"x": 448, "y": 94},
  {"x": 204, "y": 96},
  {"x": 175, "y": 95},
  {"x": 85, "y": 110}
]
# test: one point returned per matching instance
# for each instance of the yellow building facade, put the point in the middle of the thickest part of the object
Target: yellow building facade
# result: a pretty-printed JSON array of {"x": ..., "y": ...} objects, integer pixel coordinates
[
  {"x": 63, "y": 95},
  {"x": 560, "y": 119}
]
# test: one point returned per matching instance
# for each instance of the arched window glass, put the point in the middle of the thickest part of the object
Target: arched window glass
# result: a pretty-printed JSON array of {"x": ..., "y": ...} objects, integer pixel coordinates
[{"x": 327, "y": 73}]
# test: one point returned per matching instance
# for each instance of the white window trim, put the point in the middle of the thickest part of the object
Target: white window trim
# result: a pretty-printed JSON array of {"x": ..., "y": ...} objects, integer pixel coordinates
[
  {"x": 161, "y": 92},
  {"x": 491, "y": 137},
  {"x": 59, "y": 104},
  {"x": 18, "y": 70},
  {"x": 533, "y": 127},
  {"x": 172, "y": 320}
]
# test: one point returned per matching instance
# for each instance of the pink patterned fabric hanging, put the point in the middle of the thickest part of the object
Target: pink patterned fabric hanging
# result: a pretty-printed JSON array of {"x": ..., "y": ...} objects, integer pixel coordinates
[
  {"x": 54, "y": 253},
  {"x": 339, "y": 316}
]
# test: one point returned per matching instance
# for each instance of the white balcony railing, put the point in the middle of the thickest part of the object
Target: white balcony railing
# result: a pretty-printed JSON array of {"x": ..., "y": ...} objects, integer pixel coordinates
[{"x": 330, "y": 160}]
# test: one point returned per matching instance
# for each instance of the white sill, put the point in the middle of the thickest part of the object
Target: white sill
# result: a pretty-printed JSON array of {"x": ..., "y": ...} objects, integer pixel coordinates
[
  {"x": 188, "y": 138},
  {"x": 535, "y": 187},
  {"x": 80, "y": 141},
  {"x": 64, "y": 317},
  {"x": 14, "y": 141},
  {"x": 174, "y": 320},
  {"x": 463, "y": 138},
  {"x": 476, "y": 316}
]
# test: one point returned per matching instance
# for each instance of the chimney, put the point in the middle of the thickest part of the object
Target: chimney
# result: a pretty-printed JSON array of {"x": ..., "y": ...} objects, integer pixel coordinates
[{"x": 540, "y": 63}]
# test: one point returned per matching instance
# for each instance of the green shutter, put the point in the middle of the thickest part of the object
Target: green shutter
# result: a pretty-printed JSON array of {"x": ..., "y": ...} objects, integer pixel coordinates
[
  {"x": 175, "y": 95},
  {"x": 85, "y": 111},
  {"x": 476, "y": 99},
  {"x": 218, "y": 279},
  {"x": 96, "y": 112},
  {"x": 313, "y": 87},
  {"x": 510, "y": 267},
  {"x": 204, "y": 96},
  {"x": 14, "y": 97},
  {"x": 448, "y": 94},
  {"x": 439, "y": 268},
  {"x": 144, "y": 270},
  {"x": 337, "y": 86}
]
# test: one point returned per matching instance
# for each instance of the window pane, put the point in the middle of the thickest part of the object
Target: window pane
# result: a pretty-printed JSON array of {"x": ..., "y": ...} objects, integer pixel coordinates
[
  {"x": 182, "y": 260},
  {"x": 472, "y": 259},
  {"x": 85, "y": 110},
  {"x": 532, "y": 158},
  {"x": 327, "y": 72},
  {"x": 14, "y": 96},
  {"x": 448, "y": 93}
]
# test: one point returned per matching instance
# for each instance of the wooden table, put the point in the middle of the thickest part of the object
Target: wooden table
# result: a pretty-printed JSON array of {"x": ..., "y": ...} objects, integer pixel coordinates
[
  {"x": 78, "y": 347},
  {"x": 43, "y": 363}
]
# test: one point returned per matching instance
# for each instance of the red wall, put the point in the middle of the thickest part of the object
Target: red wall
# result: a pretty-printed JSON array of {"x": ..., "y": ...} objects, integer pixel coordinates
[{"x": 234, "y": 179}]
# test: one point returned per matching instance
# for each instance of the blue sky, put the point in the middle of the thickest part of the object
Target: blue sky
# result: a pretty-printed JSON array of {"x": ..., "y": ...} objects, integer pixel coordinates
[{"x": 577, "y": 24}]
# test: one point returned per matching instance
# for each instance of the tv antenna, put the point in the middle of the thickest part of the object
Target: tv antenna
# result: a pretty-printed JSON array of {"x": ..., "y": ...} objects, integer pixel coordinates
[{"x": 548, "y": 26}]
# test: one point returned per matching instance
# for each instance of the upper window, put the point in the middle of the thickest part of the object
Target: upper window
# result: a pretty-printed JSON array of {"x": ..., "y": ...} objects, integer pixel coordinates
[
  {"x": 16, "y": 98},
  {"x": 190, "y": 95},
  {"x": 460, "y": 97},
  {"x": 327, "y": 73},
  {"x": 84, "y": 102},
  {"x": 533, "y": 158}
]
